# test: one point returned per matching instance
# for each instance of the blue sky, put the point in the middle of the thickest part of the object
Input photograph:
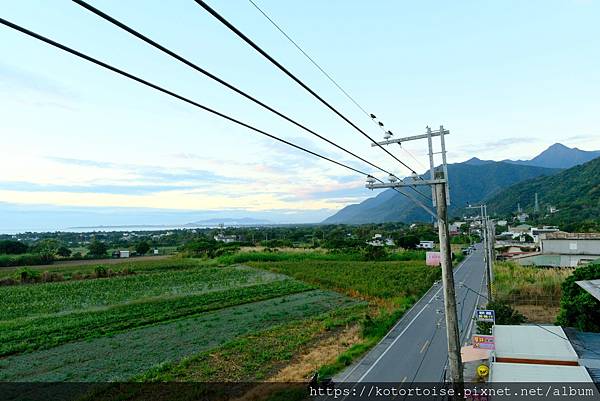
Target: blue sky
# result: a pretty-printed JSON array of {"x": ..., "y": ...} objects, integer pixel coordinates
[{"x": 507, "y": 78}]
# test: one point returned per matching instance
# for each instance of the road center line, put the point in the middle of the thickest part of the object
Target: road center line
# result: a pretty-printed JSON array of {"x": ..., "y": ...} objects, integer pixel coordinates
[{"x": 407, "y": 326}]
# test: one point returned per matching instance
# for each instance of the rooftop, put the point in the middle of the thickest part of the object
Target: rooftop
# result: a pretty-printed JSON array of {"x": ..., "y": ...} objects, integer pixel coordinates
[
  {"x": 533, "y": 344},
  {"x": 564, "y": 235},
  {"x": 591, "y": 286},
  {"x": 522, "y": 372}
]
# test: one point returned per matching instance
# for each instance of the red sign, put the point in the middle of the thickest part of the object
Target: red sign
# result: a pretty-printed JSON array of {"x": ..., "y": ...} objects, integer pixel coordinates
[{"x": 433, "y": 258}]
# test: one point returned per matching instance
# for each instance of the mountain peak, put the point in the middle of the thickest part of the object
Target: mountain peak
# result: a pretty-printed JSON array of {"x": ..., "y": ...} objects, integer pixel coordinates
[{"x": 559, "y": 156}]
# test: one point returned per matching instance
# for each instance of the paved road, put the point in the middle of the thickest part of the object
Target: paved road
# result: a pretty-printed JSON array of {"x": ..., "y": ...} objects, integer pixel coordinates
[{"x": 415, "y": 350}]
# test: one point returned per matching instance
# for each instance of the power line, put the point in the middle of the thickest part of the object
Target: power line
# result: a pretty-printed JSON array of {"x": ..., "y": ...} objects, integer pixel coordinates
[
  {"x": 326, "y": 74},
  {"x": 175, "y": 95},
  {"x": 217, "y": 79},
  {"x": 170, "y": 93},
  {"x": 310, "y": 59},
  {"x": 293, "y": 77}
]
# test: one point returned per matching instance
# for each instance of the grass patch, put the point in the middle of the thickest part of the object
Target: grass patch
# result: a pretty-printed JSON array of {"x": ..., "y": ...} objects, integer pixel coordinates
[{"x": 513, "y": 281}]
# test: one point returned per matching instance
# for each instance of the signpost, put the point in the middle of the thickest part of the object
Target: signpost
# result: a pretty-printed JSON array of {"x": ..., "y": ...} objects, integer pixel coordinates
[
  {"x": 484, "y": 342},
  {"x": 486, "y": 315}
]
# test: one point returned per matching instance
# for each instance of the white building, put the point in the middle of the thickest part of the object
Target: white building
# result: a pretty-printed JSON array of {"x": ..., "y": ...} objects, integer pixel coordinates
[
  {"x": 425, "y": 245},
  {"x": 378, "y": 240},
  {"x": 225, "y": 238}
]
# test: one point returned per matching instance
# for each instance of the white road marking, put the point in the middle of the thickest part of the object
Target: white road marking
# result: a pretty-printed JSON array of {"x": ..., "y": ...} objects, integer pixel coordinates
[{"x": 407, "y": 327}]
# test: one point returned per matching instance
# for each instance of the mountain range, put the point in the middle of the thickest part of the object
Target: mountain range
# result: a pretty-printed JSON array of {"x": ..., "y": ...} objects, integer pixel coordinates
[
  {"x": 471, "y": 181},
  {"x": 556, "y": 156},
  {"x": 574, "y": 193}
]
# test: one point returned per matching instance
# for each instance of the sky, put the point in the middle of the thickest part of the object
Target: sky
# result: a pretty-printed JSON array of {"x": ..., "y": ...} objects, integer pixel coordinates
[{"x": 84, "y": 146}]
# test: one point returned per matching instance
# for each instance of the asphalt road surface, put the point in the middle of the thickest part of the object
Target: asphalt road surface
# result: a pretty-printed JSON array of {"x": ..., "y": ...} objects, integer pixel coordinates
[{"x": 415, "y": 350}]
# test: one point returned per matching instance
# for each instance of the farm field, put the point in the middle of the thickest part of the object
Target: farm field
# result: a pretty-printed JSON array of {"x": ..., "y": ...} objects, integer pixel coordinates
[
  {"x": 250, "y": 316},
  {"x": 121, "y": 327},
  {"x": 74, "y": 268},
  {"x": 389, "y": 289},
  {"x": 122, "y": 356}
]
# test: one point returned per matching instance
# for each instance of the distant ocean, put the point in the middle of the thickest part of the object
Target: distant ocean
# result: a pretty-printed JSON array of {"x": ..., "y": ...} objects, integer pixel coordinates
[{"x": 9, "y": 231}]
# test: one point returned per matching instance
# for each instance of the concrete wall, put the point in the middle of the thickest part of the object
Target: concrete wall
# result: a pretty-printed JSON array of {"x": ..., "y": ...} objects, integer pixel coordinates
[{"x": 571, "y": 246}]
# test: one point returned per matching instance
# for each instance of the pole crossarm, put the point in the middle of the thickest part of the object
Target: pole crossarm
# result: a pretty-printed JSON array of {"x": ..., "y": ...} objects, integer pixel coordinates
[
  {"x": 405, "y": 184},
  {"x": 410, "y": 138}
]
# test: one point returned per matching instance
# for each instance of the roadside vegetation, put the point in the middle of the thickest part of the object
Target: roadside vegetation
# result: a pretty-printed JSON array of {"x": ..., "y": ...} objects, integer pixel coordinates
[
  {"x": 578, "y": 308},
  {"x": 533, "y": 291}
]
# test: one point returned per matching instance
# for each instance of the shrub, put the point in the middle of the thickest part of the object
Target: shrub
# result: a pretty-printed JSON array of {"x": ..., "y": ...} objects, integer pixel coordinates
[
  {"x": 100, "y": 271},
  {"x": 374, "y": 253},
  {"x": 26, "y": 259},
  {"x": 505, "y": 314},
  {"x": 26, "y": 275},
  {"x": 577, "y": 307}
]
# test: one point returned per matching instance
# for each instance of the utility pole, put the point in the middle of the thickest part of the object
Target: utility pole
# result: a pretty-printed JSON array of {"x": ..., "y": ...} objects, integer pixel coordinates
[
  {"x": 487, "y": 246},
  {"x": 440, "y": 199}
]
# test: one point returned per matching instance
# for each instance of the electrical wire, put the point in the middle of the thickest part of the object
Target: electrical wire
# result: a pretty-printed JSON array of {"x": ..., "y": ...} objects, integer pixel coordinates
[
  {"x": 175, "y": 95},
  {"x": 249, "y": 41},
  {"x": 170, "y": 93},
  {"x": 217, "y": 79},
  {"x": 328, "y": 76}
]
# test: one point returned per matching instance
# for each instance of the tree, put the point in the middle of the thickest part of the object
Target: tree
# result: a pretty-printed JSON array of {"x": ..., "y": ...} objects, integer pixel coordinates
[
  {"x": 11, "y": 247},
  {"x": 63, "y": 251},
  {"x": 408, "y": 241},
  {"x": 97, "y": 248},
  {"x": 374, "y": 253},
  {"x": 142, "y": 247},
  {"x": 578, "y": 308}
]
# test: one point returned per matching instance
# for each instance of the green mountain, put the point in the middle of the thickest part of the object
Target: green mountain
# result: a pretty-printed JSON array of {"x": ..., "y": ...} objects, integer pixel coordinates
[
  {"x": 470, "y": 182},
  {"x": 574, "y": 192}
]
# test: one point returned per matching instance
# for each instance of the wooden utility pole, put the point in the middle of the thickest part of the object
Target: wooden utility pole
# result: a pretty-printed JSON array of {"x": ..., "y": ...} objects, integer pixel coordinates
[
  {"x": 452, "y": 331},
  {"x": 440, "y": 199}
]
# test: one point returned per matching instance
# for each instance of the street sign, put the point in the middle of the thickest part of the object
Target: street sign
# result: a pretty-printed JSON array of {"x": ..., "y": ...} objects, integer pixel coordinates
[
  {"x": 433, "y": 258},
  {"x": 486, "y": 315},
  {"x": 484, "y": 342}
]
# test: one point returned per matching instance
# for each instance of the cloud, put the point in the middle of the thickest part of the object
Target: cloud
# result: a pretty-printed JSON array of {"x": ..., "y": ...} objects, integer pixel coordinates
[
  {"x": 498, "y": 144},
  {"x": 22, "y": 83}
]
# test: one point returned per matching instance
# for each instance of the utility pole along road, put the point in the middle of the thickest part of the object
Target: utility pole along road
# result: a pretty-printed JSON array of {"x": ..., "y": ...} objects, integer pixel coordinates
[{"x": 416, "y": 349}]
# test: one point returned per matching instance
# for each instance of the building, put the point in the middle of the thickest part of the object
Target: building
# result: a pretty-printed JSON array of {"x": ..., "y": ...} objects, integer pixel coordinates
[
  {"x": 425, "y": 245},
  {"x": 124, "y": 254},
  {"x": 534, "y": 353},
  {"x": 454, "y": 228},
  {"x": 225, "y": 238},
  {"x": 378, "y": 240},
  {"x": 571, "y": 249},
  {"x": 537, "y": 233},
  {"x": 520, "y": 229}
]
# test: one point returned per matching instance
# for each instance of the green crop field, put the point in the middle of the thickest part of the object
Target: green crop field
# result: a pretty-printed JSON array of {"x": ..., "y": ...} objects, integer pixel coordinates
[
  {"x": 121, "y": 356},
  {"x": 384, "y": 280},
  {"x": 201, "y": 320},
  {"x": 39, "y": 299},
  {"x": 120, "y": 327},
  {"x": 131, "y": 265}
]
